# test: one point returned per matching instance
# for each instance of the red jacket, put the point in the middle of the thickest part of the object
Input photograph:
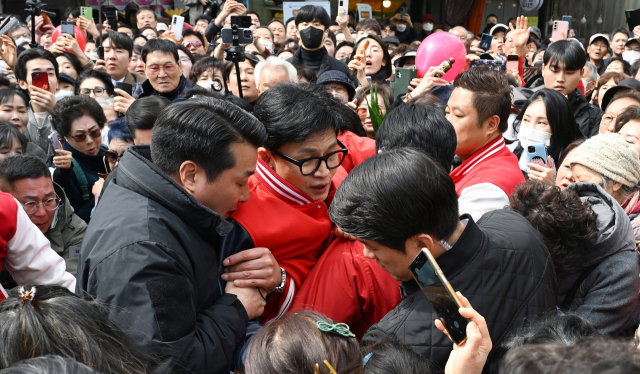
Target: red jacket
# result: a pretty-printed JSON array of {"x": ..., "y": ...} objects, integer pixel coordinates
[
  {"x": 286, "y": 220},
  {"x": 360, "y": 148},
  {"x": 348, "y": 287},
  {"x": 485, "y": 181}
]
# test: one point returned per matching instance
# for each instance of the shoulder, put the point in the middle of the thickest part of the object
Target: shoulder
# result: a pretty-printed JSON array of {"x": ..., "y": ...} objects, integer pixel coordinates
[{"x": 138, "y": 78}]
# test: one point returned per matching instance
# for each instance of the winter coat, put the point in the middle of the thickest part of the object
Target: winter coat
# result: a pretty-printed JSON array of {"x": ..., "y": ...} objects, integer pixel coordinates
[
  {"x": 150, "y": 252},
  {"x": 326, "y": 62},
  {"x": 145, "y": 88},
  {"x": 39, "y": 135}
]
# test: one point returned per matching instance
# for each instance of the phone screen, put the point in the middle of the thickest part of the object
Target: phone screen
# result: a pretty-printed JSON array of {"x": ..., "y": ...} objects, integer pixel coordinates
[
  {"x": 438, "y": 295},
  {"x": 40, "y": 80},
  {"x": 55, "y": 141},
  {"x": 101, "y": 52}
]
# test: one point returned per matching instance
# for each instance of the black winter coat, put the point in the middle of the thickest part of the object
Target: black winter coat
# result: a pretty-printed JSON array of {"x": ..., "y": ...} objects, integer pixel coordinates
[
  {"x": 500, "y": 264},
  {"x": 150, "y": 253}
]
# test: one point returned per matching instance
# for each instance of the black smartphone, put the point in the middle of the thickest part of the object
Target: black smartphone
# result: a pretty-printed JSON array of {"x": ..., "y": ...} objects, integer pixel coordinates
[
  {"x": 67, "y": 27},
  {"x": 485, "y": 42},
  {"x": 242, "y": 21},
  {"x": 126, "y": 87},
  {"x": 568, "y": 19},
  {"x": 440, "y": 294},
  {"x": 101, "y": 52},
  {"x": 112, "y": 17},
  {"x": 245, "y": 36},
  {"x": 403, "y": 12},
  {"x": 633, "y": 18}
]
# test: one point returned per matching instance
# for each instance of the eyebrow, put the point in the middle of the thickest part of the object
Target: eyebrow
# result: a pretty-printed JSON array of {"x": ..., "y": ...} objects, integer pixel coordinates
[
  {"x": 90, "y": 129},
  {"x": 308, "y": 150},
  {"x": 632, "y": 136},
  {"x": 249, "y": 173},
  {"x": 35, "y": 197}
]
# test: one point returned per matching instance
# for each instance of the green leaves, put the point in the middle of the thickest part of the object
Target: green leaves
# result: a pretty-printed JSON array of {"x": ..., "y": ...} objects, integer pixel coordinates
[{"x": 374, "y": 109}]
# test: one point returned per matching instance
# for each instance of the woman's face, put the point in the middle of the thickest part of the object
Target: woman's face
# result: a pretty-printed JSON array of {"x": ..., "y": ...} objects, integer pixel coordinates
[
  {"x": 8, "y": 150},
  {"x": 186, "y": 63},
  {"x": 248, "y": 82},
  {"x": 139, "y": 41},
  {"x": 149, "y": 34},
  {"x": 85, "y": 127},
  {"x": 136, "y": 65},
  {"x": 616, "y": 67},
  {"x": 630, "y": 132},
  {"x": 363, "y": 113},
  {"x": 89, "y": 86},
  {"x": 603, "y": 89},
  {"x": 374, "y": 57},
  {"x": 535, "y": 117},
  {"x": 15, "y": 111},
  {"x": 118, "y": 146},
  {"x": 539, "y": 58},
  {"x": 65, "y": 67},
  {"x": 564, "y": 177},
  {"x": 206, "y": 77}
]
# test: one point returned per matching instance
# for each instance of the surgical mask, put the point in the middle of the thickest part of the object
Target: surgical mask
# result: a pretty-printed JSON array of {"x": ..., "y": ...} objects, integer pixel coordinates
[
  {"x": 530, "y": 136},
  {"x": 93, "y": 56},
  {"x": 585, "y": 83},
  {"x": 631, "y": 56},
  {"x": 428, "y": 26},
  {"x": 213, "y": 86},
  {"x": 401, "y": 27},
  {"x": 267, "y": 44},
  {"x": 62, "y": 94},
  {"x": 21, "y": 40},
  {"x": 312, "y": 37}
]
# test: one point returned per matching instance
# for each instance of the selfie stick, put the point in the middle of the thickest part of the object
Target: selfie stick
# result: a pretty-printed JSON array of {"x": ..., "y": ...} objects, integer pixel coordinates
[
  {"x": 35, "y": 8},
  {"x": 235, "y": 54}
]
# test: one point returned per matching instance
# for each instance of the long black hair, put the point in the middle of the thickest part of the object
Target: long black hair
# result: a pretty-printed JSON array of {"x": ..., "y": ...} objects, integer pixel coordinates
[{"x": 564, "y": 128}]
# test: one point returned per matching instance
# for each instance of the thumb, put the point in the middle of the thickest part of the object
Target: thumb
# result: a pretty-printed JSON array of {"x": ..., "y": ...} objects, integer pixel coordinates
[{"x": 474, "y": 338}]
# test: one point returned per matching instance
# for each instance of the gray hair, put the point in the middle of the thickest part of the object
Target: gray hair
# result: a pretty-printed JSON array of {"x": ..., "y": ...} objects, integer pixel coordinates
[
  {"x": 624, "y": 189},
  {"x": 276, "y": 63},
  {"x": 18, "y": 26},
  {"x": 593, "y": 70},
  {"x": 49, "y": 364},
  {"x": 461, "y": 28}
]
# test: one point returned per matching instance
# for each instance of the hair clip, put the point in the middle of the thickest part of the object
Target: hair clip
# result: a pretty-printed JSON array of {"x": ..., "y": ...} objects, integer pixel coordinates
[
  {"x": 331, "y": 369},
  {"x": 26, "y": 295},
  {"x": 366, "y": 359},
  {"x": 339, "y": 328},
  {"x": 446, "y": 245}
]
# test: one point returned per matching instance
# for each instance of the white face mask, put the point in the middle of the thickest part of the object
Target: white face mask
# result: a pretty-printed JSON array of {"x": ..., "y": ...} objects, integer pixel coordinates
[
  {"x": 401, "y": 27},
  {"x": 93, "y": 56},
  {"x": 267, "y": 44},
  {"x": 530, "y": 136},
  {"x": 428, "y": 26},
  {"x": 62, "y": 94},
  {"x": 208, "y": 84},
  {"x": 631, "y": 56},
  {"x": 21, "y": 40}
]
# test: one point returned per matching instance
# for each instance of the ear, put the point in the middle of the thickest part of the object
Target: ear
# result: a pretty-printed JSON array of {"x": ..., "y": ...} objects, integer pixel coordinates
[
  {"x": 187, "y": 176},
  {"x": 266, "y": 156},
  {"x": 492, "y": 123},
  {"x": 616, "y": 186},
  {"x": 414, "y": 245},
  {"x": 24, "y": 85}
]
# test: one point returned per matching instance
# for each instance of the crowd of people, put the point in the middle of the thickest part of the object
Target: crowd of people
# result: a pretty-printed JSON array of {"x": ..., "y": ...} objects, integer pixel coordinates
[{"x": 166, "y": 210}]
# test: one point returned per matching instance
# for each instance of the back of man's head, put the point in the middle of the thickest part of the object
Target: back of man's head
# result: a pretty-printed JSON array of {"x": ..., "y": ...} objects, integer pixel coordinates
[
  {"x": 394, "y": 196},
  {"x": 20, "y": 167},
  {"x": 491, "y": 93},
  {"x": 143, "y": 113},
  {"x": 310, "y": 13},
  {"x": 567, "y": 52},
  {"x": 202, "y": 130},
  {"x": 419, "y": 126},
  {"x": 293, "y": 112}
]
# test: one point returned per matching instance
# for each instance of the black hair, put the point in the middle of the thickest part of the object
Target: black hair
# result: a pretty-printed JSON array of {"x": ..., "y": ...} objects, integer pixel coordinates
[
  {"x": 419, "y": 126},
  {"x": 491, "y": 94},
  {"x": 626, "y": 68},
  {"x": 137, "y": 49},
  {"x": 8, "y": 132},
  {"x": 7, "y": 94},
  {"x": 48, "y": 364},
  {"x": 120, "y": 41},
  {"x": 20, "y": 167},
  {"x": 306, "y": 73},
  {"x": 369, "y": 23},
  {"x": 491, "y": 15},
  {"x": 187, "y": 52},
  {"x": 332, "y": 36},
  {"x": 97, "y": 74},
  {"x": 384, "y": 199},
  {"x": 564, "y": 128},
  {"x": 72, "y": 59},
  {"x": 352, "y": 122},
  {"x": 33, "y": 54},
  {"x": 388, "y": 22},
  {"x": 203, "y": 17},
  {"x": 345, "y": 43},
  {"x": 310, "y": 13},
  {"x": 293, "y": 112},
  {"x": 71, "y": 108},
  {"x": 566, "y": 51},
  {"x": 119, "y": 130},
  {"x": 388, "y": 68},
  {"x": 256, "y": 14},
  {"x": 278, "y": 21},
  {"x": 74, "y": 11},
  {"x": 634, "y": 69},
  {"x": 187, "y": 32},
  {"x": 160, "y": 45},
  {"x": 144, "y": 112},
  {"x": 141, "y": 30},
  {"x": 126, "y": 26},
  {"x": 388, "y": 356},
  {"x": 205, "y": 64},
  {"x": 216, "y": 123},
  {"x": 287, "y": 23},
  {"x": 620, "y": 30},
  {"x": 146, "y": 9},
  {"x": 136, "y": 36}
]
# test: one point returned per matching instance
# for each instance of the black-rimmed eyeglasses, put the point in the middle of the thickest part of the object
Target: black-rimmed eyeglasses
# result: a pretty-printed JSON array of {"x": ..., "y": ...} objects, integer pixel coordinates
[{"x": 310, "y": 165}]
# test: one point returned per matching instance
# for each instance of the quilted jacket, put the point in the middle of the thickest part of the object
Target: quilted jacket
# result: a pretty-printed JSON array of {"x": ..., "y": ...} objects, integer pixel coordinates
[{"x": 500, "y": 264}]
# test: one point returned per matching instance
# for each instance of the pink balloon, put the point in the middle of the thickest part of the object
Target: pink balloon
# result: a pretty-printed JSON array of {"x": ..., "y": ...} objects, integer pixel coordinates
[
  {"x": 82, "y": 40},
  {"x": 437, "y": 48}
]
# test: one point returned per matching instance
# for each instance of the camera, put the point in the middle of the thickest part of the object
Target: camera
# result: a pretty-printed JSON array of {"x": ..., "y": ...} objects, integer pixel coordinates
[
  {"x": 245, "y": 34},
  {"x": 531, "y": 149}
]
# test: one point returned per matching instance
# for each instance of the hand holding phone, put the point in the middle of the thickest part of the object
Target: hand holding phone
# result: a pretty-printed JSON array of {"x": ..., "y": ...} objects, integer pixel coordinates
[
  {"x": 68, "y": 28},
  {"x": 177, "y": 24},
  {"x": 560, "y": 30},
  {"x": 40, "y": 80}
]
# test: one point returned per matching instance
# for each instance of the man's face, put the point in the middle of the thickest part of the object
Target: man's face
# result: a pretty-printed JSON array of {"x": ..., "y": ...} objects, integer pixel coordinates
[
  {"x": 116, "y": 59},
  {"x": 559, "y": 79},
  {"x": 328, "y": 45},
  {"x": 20, "y": 33},
  {"x": 396, "y": 263},
  {"x": 387, "y": 32},
  {"x": 334, "y": 28},
  {"x": 271, "y": 76},
  {"x": 195, "y": 50},
  {"x": 45, "y": 41},
  {"x": 612, "y": 111},
  {"x": 149, "y": 34},
  {"x": 255, "y": 20},
  {"x": 126, "y": 30},
  {"x": 247, "y": 79},
  {"x": 163, "y": 71},
  {"x": 344, "y": 52},
  {"x": 202, "y": 24},
  {"x": 37, "y": 190},
  {"x": 304, "y": 25},
  {"x": 71, "y": 18},
  {"x": 142, "y": 137},
  {"x": 617, "y": 43},
  {"x": 317, "y": 184},
  {"x": 616, "y": 67},
  {"x": 231, "y": 187},
  {"x": 365, "y": 32},
  {"x": 493, "y": 20},
  {"x": 461, "y": 34},
  {"x": 338, "y": 90},
  {"x": 464, "y": 118},
  {"x": 278, "y": 32},
  {"x": 40, "y": 65},
  {"x": 291, "y": 30},
  {"x": 146, "y": 18},
  {"x": 633, "y": 46},
  {"x": 597, "y": 50},
  {"x": 497, "y": 43}
]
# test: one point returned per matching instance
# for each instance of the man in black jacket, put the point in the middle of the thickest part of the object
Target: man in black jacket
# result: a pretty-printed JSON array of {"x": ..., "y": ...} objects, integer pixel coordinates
[
  {"x": 401, "y": 201},
  {"x": 312, "y": 23},
  {"x": 151, "y": 250}
]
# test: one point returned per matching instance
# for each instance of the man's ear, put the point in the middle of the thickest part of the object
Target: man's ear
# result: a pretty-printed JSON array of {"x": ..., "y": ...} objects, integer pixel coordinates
[
  {"x": 414, "y": 245},
  {"x": 187, "y": 176},
  {"x": 492, "y": 125},
  {"x": 266, "y": 156},
  {"x": 24, "y": 85}
]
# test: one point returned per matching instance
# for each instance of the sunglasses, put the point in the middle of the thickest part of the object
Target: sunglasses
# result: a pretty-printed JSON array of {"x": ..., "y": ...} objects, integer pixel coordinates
[
  {"x": 194, "y": 43},
  {"x": 82, "y": 137},
  {"x": 112, "y": 156},
  {"x": 169, "y": 67}
]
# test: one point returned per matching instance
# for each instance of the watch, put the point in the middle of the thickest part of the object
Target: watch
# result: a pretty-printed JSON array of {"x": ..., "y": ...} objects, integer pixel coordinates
[{"x": 283, "y": 282}]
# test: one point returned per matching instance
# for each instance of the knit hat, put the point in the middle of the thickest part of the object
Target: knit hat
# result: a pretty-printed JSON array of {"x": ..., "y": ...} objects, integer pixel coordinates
[{"x": 611, "y": 156}]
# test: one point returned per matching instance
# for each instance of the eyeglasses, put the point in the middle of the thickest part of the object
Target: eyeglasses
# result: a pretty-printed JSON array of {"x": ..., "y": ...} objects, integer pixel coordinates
[
  {"x": 97, "y": 90},
  {"x": 168, "y": 67},
  {"x": 310, "y": 165},
  {"x": 112, "y": 156},
  {"x": 362, "y": 112},
  {"x": 82, "y": 137},
  {"x": 608, "y": 118},
  {"x": 185, "y": 60},
  {"x": 194, "y": 43},
  {"x": 51, "y": 204}
]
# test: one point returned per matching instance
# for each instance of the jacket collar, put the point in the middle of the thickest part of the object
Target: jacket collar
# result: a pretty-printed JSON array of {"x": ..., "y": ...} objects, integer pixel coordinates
[
  {"x": 279, "y": 186},
  {"x": 322, "y": 53},
  {"x": 137, "y": 173},
  {"x": 487, "y": 151},
  {"x": 148, "y": 90}
]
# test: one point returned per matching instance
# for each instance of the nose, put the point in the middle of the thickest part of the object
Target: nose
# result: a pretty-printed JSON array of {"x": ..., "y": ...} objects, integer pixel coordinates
[
  {"x": 244, "y": 196},
  {"x": 322, "y": 171},
  {"x": 243, "y": 76},
  {"x": 40, "y": 212}
]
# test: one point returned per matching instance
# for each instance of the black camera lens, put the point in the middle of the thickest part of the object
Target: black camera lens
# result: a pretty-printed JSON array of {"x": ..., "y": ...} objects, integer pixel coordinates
[
  {"x": 531, "y": 149},
  {"x": 247, "y": 33}
]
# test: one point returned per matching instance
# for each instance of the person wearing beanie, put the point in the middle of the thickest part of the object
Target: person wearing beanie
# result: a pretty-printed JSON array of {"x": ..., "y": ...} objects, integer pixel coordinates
[{"x": 608, "y": 161}]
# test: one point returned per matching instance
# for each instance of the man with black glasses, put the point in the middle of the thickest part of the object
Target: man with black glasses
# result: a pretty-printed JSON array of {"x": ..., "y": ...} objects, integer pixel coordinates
[{"x": 28, "y": 180}]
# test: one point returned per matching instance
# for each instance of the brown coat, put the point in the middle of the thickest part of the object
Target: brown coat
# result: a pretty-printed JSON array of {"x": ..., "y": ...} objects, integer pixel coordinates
[{"x": 132, "y": 78}]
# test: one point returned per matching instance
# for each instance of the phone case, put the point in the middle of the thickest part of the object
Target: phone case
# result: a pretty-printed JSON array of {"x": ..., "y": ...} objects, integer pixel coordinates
[
  {"x": 177, "y": 24},
  {"x": 538, "y": 156},
  {"x": 86, "y": 12},
  {"x": 633, "y": 18},
  {"x": 560, "y": 28},
  {"x": 343, "y": 7},
  {"x": 67, "y": 28},
  {"x": 512, "y": 62},
  {"x": 40, "y": 80},
  {"x": 485, "y": 42},
  {"x": 403, "y": 77}
]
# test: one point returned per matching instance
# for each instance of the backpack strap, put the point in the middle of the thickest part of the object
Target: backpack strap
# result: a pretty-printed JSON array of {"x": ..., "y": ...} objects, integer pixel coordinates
[
  {"x": 82, "y": 181},
  {"x": 571, "y": 295}
]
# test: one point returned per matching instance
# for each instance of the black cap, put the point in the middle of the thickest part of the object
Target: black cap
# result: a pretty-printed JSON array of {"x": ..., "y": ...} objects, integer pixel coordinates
[
  {"x": 629, "y": 83},
  {"x": 335, "y": 76}
]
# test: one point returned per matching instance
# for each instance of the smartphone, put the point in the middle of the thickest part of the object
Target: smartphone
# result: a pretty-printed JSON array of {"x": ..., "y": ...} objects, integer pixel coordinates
[
  {"x": 242, "y": 21},
  {"x": 485, "y": 42},
  {"x": 403, "y": 77},
  {"x": 536, "y": 154},
  {"x": 245, "y": 36},
  {"x": 67, "y": 27},
  {"x": 403, "y": 12},
  {"x": 512, "y": 62},
  {"x": 101, "y": 52},
  {"x": 560, "y": 28},
  {"x": 56, "y": 144},
  {"x": 126, "y": 87},
  {"x": 568, "y": 19},
  {"x": 177, "y": 24},
  {"x": 343, "y": 7},
  {"x": 40, "y": 80},
  {"x": 86, "y": 12},
  {"x": 633, "y": 18},
  {"x": 112, "y": 17},
  {"x": 440, "y": 294}
]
